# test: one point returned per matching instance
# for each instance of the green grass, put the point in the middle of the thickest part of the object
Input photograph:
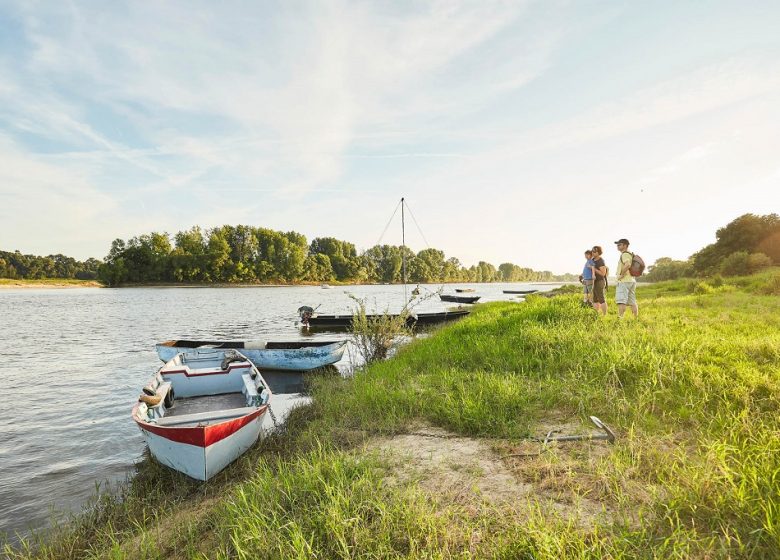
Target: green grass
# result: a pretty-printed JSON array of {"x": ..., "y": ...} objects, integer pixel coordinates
[{"x": 692, "y": 388}]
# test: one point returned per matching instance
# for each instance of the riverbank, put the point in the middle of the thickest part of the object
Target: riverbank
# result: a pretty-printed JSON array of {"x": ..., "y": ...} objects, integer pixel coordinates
[
  {"x": 16, "y": 283},
  {"x": 428, "y": 454}
]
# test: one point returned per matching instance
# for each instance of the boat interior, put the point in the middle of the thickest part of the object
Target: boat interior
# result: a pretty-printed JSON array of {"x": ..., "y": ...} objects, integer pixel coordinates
[{"x": 207, "y": 398}]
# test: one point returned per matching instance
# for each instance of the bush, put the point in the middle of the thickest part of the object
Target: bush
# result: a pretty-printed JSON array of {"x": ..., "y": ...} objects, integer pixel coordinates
[
  {"x": 757, "y": 262},
  {"x": 771, "y": 287},
  {"x": 735, "y": 264},
  {"x": 703, "y": 288}
]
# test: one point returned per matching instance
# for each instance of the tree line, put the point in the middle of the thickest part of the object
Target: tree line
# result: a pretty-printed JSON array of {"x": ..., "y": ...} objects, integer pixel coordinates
[
  {"x": 745, "y": 245},
  {"x": 247, "y": 254},
  {"x": 17, "y": 265}
]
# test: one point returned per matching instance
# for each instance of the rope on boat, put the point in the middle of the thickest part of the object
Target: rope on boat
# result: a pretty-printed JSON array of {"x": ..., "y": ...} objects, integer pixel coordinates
[
  {"x": 384, "y": 231},
  {"x": 273, "y": 417},
  {"x": 418, "y": 225}
]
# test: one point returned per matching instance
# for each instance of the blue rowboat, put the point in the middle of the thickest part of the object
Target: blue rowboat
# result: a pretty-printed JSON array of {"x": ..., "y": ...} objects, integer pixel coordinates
[{"x": 300, "y": 355}]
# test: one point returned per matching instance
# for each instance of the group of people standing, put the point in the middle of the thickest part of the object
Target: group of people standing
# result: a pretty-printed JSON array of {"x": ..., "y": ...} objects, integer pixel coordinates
[{"x": 594, "y": 280}]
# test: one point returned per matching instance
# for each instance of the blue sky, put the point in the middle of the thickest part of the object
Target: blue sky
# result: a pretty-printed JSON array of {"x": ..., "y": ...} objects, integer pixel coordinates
[{"x": 518, "y": 131}]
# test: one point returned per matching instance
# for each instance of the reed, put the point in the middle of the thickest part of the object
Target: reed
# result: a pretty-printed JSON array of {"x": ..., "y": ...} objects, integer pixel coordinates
[{"x": 692, "y": 388}]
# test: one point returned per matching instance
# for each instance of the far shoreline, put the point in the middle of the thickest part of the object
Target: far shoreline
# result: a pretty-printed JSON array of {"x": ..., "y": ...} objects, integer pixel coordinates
[
  {"x": 42, "y": 284},
  {"x": 66, "y": 283}
]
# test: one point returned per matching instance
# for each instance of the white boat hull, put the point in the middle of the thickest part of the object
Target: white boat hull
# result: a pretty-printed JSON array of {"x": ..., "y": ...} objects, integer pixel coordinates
[
  {"x": 222, "y": 402},
  {"x": 202, "y": 457}
]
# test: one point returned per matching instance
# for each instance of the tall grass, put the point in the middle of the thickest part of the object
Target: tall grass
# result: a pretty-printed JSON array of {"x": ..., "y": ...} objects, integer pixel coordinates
[{"x": 692, "y": 388}]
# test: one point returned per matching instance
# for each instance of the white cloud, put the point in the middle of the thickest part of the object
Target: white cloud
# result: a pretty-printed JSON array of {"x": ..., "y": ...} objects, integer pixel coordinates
[
  {"x": 316, "y": 118},
  {"x": 48, "y": 208}
]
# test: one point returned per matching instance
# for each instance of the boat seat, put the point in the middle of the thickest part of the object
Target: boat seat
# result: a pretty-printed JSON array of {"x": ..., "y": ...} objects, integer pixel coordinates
[
  {"x": 210, "y": 416},
  {"x": 253, "y": 397},
  {"x": 250, "y": 389}
]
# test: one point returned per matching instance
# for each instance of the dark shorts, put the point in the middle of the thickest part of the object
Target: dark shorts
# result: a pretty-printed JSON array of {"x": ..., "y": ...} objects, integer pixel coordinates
[{"x": 598, "y": 291}]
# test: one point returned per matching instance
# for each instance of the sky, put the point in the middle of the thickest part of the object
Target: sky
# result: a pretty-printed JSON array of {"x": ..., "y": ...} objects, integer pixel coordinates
[{"x": 519, "y": 132}]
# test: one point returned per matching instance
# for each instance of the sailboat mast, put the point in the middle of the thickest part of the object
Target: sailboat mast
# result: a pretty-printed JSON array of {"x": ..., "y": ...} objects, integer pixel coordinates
[
  {"x": 403, "y": 250},
  {"x": 403, "y": 243}
]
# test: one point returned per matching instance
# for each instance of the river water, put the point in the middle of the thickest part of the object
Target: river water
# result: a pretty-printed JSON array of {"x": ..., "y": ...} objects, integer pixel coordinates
[{"x": 73, "y": 361}]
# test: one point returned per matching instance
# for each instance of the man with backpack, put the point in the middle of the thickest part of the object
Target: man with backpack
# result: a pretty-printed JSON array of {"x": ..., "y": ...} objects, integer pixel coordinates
[{"x": 625, "y": 291}]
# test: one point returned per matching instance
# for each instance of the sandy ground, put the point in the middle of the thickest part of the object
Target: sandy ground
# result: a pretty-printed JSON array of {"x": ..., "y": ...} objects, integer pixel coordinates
[{"x": 473, "y": 472}]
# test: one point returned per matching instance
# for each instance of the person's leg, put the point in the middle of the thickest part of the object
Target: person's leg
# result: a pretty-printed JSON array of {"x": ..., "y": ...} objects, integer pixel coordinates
[
  {"x": 621, "y": 297},
  {"x": 632, "y": 299},
  {"x": 599, "y": 297}
]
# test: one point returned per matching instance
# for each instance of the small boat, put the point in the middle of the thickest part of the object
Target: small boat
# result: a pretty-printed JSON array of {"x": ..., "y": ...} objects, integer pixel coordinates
[
  {"x": 341, "y": 322},
  {"x": 459, "y": 299},
  {"x": 295, "y": 355},
  {"x": 309, "y": 317},
  {"x": 520, "y": 291},
  {"x": 325, "y": 286},
  {"x": 463, "y": 290},
  {"x": 199, "y": 412}
]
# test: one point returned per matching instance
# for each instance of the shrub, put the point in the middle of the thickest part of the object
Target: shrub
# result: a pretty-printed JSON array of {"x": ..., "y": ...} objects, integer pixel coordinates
[
  {"x": 703, "y": 288},
  {"x": 735, "y": 264},
  {"x": 374, "y": 335},
  {"x": 757, "y": 262},
  {"x": 771, "y": 287}
]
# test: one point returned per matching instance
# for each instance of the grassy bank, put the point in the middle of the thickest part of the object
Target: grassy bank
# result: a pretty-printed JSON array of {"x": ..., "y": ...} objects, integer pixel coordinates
[
  {"x": 48, "y": 283},
  {"x": 692, "y": 390}
]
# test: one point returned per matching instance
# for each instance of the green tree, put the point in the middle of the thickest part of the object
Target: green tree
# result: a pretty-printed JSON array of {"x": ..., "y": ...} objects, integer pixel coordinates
[
  {"x": 666, "y": 268},
  {"x": 749, "y": 233}
]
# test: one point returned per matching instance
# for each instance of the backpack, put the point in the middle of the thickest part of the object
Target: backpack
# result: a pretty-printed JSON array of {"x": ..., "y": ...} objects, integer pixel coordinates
[{"x": 637, "y": 265}]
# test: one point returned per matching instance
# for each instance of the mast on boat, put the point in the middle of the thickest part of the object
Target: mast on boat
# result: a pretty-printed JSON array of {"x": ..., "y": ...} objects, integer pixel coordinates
[{"x": 403, "y": 252}]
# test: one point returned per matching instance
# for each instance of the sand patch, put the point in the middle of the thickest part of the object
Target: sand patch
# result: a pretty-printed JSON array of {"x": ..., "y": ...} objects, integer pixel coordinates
[{"x": 474, "y": 472}]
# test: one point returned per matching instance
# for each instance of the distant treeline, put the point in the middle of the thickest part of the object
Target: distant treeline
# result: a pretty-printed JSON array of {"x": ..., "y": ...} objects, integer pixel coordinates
[
  {"x": 247, "y": 254},
  {"x": 746, "y": 245},
  {"x": 17, "y": 265}
]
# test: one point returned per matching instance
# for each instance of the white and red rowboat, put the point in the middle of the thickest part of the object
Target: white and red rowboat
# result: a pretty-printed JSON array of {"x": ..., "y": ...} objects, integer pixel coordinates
[{"x": 216, "y": 415}]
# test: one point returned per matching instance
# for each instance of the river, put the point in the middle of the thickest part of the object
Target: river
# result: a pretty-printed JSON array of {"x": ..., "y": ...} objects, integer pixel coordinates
[{"x": 73, "y": 361}]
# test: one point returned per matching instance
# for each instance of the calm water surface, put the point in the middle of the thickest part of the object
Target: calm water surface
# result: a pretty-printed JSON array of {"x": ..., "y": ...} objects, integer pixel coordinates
[{"x": 73, "y": 361}]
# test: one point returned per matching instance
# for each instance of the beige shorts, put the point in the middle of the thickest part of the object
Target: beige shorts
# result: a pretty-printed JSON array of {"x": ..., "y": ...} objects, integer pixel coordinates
[{"x": 625, "y": 293}]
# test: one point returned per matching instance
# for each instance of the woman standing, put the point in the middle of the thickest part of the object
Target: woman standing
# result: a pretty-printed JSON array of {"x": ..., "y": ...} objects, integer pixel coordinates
[{"x": 599, "y": 280}]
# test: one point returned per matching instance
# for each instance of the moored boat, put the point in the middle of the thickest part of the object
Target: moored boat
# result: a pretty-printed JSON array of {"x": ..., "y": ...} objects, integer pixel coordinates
[
  {"x": 297, "y": 355},
  {"x": 200, "y": 412},
  {"x": 341, "y": 322},
  {"x": 459, "y": 299},
  {"x": 522, "y": 292},
  {"x": 463, "y": 290}
]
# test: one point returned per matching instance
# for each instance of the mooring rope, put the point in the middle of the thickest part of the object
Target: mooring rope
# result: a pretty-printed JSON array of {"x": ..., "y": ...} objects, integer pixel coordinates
[{"x": 273, "y": 417}]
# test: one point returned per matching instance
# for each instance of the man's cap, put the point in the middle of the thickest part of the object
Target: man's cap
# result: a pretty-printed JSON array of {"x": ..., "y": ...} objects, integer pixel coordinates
[{"x": 623, "y": 240}]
